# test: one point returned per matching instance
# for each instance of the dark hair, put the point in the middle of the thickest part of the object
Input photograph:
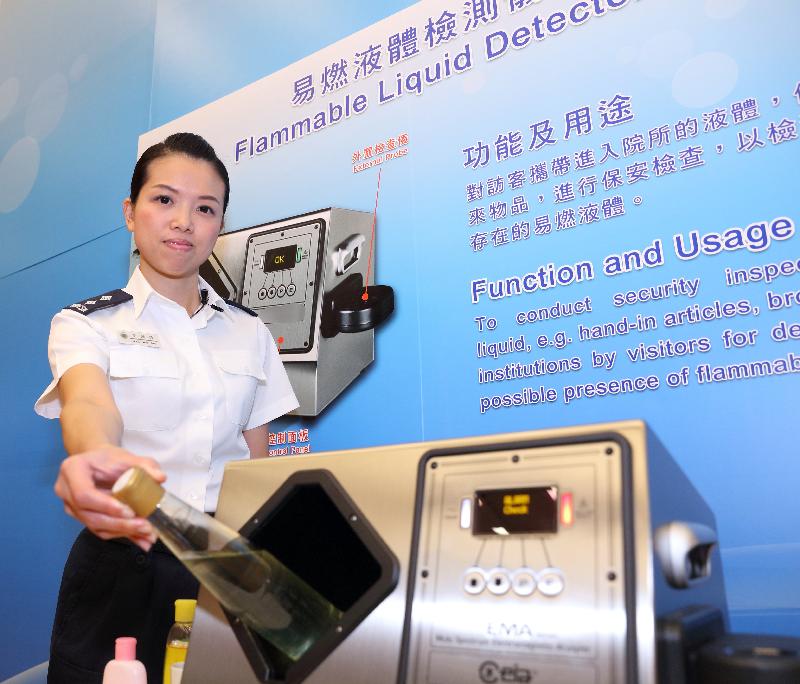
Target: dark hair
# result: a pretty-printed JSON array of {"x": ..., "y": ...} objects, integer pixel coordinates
[{"x": 189, "y": 144}]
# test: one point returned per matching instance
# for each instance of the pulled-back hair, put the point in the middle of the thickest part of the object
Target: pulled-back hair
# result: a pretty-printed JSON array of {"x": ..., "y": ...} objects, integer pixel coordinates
[{"x": 190, "y": 144}]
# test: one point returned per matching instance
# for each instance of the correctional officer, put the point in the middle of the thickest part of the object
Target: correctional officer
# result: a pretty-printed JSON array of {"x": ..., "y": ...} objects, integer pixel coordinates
[{"x": 165, "y": 374}]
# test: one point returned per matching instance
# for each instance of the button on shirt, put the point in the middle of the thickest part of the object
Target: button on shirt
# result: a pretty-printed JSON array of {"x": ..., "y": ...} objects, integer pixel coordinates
[{"x": 186, "y": 387}]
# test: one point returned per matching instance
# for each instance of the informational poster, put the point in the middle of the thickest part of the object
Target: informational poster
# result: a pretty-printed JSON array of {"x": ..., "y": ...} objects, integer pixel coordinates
[{"x": 586, "y": 210}]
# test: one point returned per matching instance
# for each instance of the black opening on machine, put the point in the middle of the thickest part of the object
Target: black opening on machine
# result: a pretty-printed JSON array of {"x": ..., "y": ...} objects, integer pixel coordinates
[{"x": 313, "y": 527}]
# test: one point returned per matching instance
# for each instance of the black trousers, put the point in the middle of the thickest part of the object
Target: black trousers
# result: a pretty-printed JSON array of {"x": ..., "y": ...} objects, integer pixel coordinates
[{"x": 111, "y": 589}]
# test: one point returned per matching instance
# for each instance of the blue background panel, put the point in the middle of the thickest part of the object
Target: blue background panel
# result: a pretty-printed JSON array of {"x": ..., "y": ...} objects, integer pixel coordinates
[{"x": 73, "y": 103}]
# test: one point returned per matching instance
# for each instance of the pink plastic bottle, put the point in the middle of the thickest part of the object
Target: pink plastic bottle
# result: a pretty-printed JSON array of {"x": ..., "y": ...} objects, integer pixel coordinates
[{"x": 124, "y": 669}]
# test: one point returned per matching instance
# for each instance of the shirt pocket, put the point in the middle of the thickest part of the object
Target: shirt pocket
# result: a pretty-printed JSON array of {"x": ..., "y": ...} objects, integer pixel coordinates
[
  {"x": 147, "y": 387},
  {"x": 240, "y": 378}
]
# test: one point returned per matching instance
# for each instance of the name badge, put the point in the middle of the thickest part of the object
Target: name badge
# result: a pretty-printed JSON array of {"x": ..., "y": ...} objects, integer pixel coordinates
[{"x": 136, "y": 337}]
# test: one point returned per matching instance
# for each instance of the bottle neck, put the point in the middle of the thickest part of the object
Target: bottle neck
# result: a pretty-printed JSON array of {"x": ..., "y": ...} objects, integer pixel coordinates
[{"x": 184, "y": 529}]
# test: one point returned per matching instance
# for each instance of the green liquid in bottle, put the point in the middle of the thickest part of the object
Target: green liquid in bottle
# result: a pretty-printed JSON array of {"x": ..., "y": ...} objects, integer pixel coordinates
[{"x": 266, "y": 597}]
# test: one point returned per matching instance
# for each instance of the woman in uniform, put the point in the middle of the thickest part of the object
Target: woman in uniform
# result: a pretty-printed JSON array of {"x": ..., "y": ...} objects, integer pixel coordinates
[{"x": 164, "y": 374}]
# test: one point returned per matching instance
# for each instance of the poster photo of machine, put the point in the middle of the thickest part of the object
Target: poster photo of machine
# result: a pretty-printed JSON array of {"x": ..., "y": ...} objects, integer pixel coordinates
[{"x": 310, "y": 280}]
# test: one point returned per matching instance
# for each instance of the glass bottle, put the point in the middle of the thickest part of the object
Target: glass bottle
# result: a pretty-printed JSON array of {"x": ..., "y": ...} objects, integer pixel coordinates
[
  {"x": 178, "y": 636},
  {"x": 250, "y": 583}
]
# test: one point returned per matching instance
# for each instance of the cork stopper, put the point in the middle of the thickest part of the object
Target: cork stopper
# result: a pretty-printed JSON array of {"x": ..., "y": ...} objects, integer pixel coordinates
[{"x": 138, "y": 490}]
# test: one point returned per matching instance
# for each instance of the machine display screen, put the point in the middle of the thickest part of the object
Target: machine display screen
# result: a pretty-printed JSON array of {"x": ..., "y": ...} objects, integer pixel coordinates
[
  {"x": 528, "y": 510},
  {"x": 280, "y": 258}
]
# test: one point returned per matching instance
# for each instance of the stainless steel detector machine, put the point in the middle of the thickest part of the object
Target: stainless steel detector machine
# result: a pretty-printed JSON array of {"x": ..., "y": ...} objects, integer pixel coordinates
[
  {"x": 309, "y": 278},
  {"x": 569, "y": 556}
]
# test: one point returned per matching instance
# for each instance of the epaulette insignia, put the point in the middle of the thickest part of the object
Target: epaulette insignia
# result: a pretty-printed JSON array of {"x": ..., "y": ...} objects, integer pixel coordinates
[
  {"x": 103, "y": 301},
  {"x": 240, "y": 306}
]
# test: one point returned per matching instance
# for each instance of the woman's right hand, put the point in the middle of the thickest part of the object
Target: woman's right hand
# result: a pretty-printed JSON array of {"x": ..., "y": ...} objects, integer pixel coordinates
[{"x": 84, "y": 484}]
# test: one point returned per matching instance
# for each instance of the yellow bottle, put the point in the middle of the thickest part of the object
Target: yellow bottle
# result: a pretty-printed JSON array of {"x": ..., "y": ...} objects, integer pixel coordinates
[{"x": 178, "y": 637}]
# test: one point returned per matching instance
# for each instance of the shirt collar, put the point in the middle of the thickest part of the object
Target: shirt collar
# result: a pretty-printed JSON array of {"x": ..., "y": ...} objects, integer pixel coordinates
[{"x": 142, "y": 291}]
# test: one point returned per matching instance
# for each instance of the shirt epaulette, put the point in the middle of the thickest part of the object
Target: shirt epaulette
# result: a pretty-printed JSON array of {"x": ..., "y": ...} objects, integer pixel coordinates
[
  {"x": 103, "y": 301},
  {"x": 240, "y": 306}
]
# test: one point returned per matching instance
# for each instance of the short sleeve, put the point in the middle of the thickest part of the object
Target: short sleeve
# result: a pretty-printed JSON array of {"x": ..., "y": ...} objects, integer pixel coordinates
[
  {"x": 274, "y": 397},
  {"x": 73, "y": 340}
]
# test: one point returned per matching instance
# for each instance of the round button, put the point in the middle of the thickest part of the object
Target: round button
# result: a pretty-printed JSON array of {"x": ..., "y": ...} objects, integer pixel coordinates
[
  {"x": 474, "y": 581},
  {"x": 523, "y": 582},
  {"x": 199, "y": 459},
  {"x": 498, "y": 581},
  {"x": 262, "y": 293},
  {"x": 291, "y": 288},
  {"x": 271, "y": 292},
  {"x": 551, "y": 582},
  {"x": 281, "y": 290}
]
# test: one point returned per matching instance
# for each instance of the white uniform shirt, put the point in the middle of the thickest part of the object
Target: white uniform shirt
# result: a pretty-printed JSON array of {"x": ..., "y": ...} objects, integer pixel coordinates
[{"x": 185, "y": 387}]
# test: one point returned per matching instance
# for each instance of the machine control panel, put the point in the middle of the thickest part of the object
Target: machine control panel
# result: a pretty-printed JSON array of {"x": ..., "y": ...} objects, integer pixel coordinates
[
  {"x": 518, "y": 554},
  {"x": 280, "y": 281},
  {"x": 279, "y": 260},
  {"x": 507, "y": 512}
]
